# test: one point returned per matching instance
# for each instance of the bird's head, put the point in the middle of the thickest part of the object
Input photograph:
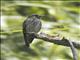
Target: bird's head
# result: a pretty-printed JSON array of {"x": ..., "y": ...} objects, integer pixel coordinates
[{"x": 35, "y": 16}]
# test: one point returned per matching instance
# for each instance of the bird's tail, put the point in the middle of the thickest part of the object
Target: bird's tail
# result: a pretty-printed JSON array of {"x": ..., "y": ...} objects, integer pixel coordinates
[{"x": 28, "y": 39}]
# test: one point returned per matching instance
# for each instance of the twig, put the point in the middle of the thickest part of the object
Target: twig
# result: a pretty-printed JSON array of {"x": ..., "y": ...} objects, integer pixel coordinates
[{"x": 74, "y": 52}]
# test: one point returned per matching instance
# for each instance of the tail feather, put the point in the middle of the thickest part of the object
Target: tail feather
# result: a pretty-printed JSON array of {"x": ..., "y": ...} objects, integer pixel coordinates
[{"x": 28, "y": 39}]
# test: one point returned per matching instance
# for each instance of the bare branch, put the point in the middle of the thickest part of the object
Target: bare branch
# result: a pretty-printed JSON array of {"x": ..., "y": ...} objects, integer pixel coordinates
[
  {"x": 57, "y": 40},
  {"x": 74, "y": 51}
]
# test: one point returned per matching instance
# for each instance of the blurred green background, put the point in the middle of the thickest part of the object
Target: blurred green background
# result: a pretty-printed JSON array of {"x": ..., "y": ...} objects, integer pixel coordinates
[{"x": 62, "y": 17}]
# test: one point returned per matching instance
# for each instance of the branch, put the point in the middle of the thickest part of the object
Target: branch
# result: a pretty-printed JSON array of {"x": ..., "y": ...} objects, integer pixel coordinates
[
  {"x": 74, "y": 51},
  {"x": 56, "y": 39}
]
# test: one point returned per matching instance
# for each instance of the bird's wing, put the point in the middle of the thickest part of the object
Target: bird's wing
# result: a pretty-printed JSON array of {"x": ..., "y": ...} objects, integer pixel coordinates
[{"x": 27, "y": 37}]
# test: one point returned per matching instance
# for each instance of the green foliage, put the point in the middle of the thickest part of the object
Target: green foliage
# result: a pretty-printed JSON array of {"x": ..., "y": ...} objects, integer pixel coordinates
[{"x": 61, "y": 17}]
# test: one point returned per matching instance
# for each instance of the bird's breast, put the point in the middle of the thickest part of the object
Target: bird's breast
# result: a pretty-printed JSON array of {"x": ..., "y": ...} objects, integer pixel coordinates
[{"x": 33, "y": 26}]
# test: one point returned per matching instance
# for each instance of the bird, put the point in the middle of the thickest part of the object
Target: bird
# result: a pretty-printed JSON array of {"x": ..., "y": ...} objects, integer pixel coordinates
[{"x": 31, "y": 24}]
